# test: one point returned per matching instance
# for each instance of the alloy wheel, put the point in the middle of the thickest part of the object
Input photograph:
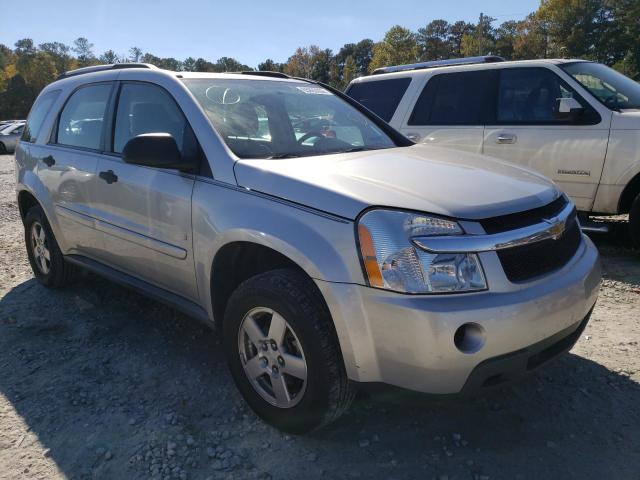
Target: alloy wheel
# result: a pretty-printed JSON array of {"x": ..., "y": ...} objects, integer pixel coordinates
[
  {"x": 40, "y": 248},
  {"x": 272, "y": 357}
]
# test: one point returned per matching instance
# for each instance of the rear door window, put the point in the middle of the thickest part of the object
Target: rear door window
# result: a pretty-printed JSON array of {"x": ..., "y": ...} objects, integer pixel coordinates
[
  {"x": 82, "y": 118},
  {"x": 37, "y": 115},
  {"x": 381, "y": 97},
  {"x": 462, "y": 98}
]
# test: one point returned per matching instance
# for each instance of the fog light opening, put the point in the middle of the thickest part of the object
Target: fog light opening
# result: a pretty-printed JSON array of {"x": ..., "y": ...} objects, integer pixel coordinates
[{"x": 469, "y": 338}]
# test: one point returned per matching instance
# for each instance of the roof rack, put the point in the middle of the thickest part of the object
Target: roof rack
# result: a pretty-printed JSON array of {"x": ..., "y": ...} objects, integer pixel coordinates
[
  {"x": 101, "y": 68},
  {"x": 439, "y": 63}
]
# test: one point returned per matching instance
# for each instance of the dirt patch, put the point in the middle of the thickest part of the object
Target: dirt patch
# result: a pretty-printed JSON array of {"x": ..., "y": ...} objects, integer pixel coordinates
[{"x": 99, "y": 382}]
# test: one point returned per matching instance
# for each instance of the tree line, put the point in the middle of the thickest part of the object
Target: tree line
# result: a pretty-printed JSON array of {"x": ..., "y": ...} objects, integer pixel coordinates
[{"x": 607, "y": 31}]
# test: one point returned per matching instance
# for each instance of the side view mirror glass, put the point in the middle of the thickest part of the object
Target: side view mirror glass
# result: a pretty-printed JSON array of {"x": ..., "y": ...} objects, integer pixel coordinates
[{"x": 158, "y": 150}]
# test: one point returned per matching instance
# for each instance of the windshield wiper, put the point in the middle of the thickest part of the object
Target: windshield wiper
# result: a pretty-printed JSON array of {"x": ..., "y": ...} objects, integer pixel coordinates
[{"x": 283, "y": 155}]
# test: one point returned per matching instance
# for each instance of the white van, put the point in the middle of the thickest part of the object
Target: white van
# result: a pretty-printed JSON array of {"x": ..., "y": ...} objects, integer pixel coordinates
[{"x": 577, "y": 122}]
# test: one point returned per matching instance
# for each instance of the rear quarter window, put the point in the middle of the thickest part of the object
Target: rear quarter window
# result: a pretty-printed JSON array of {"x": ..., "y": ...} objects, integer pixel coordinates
[
  {"x": 38, "y": 114},
  {"x": 381, "y": 97},
  {"x": 461, "y": 98}
]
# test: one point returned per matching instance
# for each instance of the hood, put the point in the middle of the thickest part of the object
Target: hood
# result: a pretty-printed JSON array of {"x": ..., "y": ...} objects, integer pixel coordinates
[
  {"x": 626, "y": 120},
  {"x": 423, "y": 178}
]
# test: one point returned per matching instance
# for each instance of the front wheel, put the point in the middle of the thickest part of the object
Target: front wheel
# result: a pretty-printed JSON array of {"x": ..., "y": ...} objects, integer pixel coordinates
[
  {"x": 634, "y": 222},
  {"x": 283, "y": 353}
]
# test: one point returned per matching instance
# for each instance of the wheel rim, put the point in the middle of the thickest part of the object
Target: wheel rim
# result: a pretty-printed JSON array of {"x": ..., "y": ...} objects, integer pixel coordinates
[
  {"x": 40, "y": 248},
  {"x": 272, "y": 357}
]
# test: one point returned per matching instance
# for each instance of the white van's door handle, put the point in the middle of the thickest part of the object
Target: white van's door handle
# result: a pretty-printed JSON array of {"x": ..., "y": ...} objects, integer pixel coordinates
[
  {"x": 506, "y": 138},
  {"x": 414, "y": 137}
]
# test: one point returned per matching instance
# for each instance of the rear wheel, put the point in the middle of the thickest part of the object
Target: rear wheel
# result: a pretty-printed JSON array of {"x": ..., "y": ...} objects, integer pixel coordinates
[
  {"x": 634, "y": 221},
  {"x": 283, "y": 352},
  {"x": 45, "y": 257},
  {"x": 3, "y": 149}
]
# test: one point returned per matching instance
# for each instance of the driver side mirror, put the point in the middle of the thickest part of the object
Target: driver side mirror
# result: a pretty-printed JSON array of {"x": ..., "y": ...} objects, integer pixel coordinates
[
  {"x": 569, "y": 109},
  {"x": 158, "y": 150}
]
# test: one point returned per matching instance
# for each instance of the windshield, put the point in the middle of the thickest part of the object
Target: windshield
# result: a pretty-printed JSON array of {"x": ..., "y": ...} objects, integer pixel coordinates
[
  {"x": 275, "y": 119},
  {"x": 610, "y": 87}
]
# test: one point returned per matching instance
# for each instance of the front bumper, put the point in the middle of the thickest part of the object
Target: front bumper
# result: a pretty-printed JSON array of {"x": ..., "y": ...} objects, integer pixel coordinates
[{"x": 408, "y": 340}]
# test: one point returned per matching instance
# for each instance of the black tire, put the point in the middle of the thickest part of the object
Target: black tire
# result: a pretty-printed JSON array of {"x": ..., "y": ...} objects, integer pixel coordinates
[
  {"x": 3, "y": 149},
  {"x": 328, "y": 392},
  {"x": 634, "y": 222},
  {"x": 60, "y": 272}
]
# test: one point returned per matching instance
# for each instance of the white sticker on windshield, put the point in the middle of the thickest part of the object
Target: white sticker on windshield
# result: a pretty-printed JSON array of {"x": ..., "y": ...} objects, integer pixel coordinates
[{"x": 315, "y": 91}]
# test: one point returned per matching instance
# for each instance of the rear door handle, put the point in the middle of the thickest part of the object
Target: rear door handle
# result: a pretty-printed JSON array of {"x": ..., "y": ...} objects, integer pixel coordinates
[
  {"x": 108, "y": 176},
  {"x": 506, "y": 138},
  {"x": 49, "y": 161}
]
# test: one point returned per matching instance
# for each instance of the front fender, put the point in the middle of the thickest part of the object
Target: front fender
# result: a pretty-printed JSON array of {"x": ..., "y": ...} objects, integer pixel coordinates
[{"x": 322, "y": 245}]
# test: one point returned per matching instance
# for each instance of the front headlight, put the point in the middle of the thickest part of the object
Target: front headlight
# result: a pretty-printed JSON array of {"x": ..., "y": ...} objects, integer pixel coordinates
[{"x": 391, "y": 260}]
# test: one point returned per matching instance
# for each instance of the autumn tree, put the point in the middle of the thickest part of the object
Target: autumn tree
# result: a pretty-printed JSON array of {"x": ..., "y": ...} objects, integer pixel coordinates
[{"x": 398, "y": 47}]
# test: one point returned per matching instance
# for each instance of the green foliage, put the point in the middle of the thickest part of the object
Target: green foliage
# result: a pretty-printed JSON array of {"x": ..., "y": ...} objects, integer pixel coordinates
[
  {"x": 398, "y": 47},
  {"x": 606, "y": 31}
]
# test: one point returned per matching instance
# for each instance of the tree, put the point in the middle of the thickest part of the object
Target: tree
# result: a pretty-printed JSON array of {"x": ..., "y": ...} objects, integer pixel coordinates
[
  {"x": 60, "y": 54},
  {"x": 111, "y": 57},
  {"x": 531, "y": 39},
  {"x": 270, "y": 66},
  {"x": 457, "y": 31},
  {"x": 84, "y": 51},
  {"x": 350, "y": 70},
  {"x": 135, "y": 54},
  {"x": 189, "y": 64},
  {"x": 229, "y": 64},
  {"x": 321, "y": 65},
  {"x": 299, "y": 64},
  {"x": 433, "y": 40},
  {"x": 481, "y": 41},
  {"x": 25, "y": 47},
  {"x": 16, "y": 100},
  {"x": 398, "y": 47},
  {"x": 165, "y": 63},
  {"x": 505, "y": 37}
]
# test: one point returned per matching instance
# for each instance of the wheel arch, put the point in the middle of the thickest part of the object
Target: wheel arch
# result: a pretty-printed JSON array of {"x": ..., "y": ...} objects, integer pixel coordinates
[
  {"x": 239, "y": 260},
  {"x": 629, "y": 194},
  {"x": 26, "y": 200}
]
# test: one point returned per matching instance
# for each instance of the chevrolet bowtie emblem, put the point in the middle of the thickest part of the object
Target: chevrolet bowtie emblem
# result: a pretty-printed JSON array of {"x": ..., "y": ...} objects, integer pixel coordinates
[{"x": 556, "y": 227}]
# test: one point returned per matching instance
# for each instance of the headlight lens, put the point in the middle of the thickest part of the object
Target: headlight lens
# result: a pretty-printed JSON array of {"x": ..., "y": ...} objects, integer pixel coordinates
[{"x": 393, "y": 262}]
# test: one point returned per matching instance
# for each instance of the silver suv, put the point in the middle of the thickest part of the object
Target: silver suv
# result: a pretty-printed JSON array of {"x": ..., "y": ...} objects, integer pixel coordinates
[{"x": 328, "y": 249}]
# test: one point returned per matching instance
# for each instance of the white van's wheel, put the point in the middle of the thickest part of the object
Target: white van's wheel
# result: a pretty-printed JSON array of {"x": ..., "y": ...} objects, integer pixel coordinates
[{"x": 634, "y": 221}]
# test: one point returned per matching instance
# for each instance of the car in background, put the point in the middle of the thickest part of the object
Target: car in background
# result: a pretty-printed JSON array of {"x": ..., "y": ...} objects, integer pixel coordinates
[
  {"x": 9, "y": 136},
  {"x": 575, "y": 121},
  {"x": 4, "y": 123}
]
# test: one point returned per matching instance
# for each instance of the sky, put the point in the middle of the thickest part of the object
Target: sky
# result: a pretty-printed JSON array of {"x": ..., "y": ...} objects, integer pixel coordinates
[{"x": 250, "y": 31}]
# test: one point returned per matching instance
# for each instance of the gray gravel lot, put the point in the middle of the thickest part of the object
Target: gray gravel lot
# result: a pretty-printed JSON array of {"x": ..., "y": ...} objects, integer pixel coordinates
[{"x": 100, "y": 382}]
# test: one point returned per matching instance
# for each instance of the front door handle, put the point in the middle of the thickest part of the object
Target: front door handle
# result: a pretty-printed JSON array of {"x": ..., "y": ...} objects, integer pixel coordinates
[
  {"x": 506, "y": 139},
  {"x": 108, "y": 176},
  {"x": 49, "y": 161}
]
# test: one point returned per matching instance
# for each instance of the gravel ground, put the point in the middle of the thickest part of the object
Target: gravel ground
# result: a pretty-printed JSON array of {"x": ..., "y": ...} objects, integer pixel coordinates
[{"x": 100, "y": 382}]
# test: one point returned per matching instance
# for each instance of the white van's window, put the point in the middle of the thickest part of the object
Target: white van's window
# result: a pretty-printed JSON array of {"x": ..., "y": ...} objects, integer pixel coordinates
[
  {"x": 380, "y": 96},
  {"x": 460, "y": 98},
  {"x": 611, "y": 88}
]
